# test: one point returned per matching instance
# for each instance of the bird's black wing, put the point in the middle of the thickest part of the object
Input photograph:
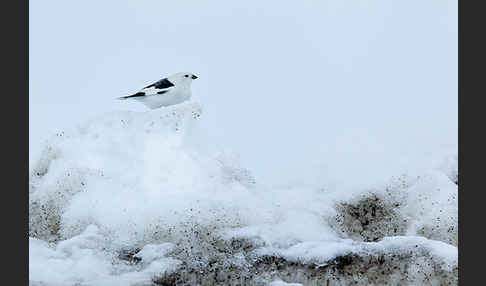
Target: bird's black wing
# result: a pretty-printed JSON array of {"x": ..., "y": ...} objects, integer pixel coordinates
[
  {"x": 138, "y": 94},
  {"x": 161, "y": 84},
  {"x": 160, "y": 87}
]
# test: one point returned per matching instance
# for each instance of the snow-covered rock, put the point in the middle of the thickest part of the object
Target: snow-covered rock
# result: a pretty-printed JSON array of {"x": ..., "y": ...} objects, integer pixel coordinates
[{"x": 148, "y": 198}]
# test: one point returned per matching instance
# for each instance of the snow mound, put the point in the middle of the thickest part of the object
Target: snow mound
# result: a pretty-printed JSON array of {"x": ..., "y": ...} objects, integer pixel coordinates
[
  {"x": 136, "y": 176},
  {"x": 148, "y": 198}
]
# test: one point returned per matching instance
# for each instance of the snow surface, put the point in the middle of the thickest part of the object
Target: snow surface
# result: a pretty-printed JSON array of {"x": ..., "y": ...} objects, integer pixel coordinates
[{"x": 154, "y": 181}]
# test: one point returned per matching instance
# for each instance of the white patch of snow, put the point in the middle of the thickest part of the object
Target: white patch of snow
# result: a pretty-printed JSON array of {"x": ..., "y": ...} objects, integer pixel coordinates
[
  {"x": 87, "y": 259},
  {"x": 282, "y": 283},
  {"x": 432, "y": 207},
  {"x": 151, "y": 252}
]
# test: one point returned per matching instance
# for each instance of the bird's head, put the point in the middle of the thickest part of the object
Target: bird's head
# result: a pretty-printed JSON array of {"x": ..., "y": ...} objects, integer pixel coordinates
[{"x": 182, "y": 78}]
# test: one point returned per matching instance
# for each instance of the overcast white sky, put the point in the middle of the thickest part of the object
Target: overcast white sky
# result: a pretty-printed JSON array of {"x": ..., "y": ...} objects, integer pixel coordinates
[{"x": 311, "y": 89}]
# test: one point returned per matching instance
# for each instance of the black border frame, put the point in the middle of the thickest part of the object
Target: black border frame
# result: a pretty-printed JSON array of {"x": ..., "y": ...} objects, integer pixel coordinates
[
  {"x": 471, "y": 198},
  {"x": 15, "y": 137}
]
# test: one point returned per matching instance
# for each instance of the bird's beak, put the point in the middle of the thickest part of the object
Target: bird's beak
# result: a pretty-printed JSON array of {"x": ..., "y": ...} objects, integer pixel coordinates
[{"x": 194, "y": 77}]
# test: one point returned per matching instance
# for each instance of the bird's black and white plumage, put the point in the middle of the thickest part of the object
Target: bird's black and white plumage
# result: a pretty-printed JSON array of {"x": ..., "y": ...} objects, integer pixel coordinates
[{"x": 167, "y": 91}]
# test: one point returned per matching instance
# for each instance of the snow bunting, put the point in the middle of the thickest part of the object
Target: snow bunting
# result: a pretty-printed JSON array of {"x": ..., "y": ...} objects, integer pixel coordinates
[{"x": 167, "y": 91}]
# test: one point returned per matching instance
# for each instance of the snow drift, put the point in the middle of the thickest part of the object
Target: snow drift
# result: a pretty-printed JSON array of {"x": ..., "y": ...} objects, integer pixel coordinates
[{"x": 148, "y": 198}]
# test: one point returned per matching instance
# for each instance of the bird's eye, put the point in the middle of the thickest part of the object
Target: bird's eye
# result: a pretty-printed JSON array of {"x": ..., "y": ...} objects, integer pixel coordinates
[{"x": 186, "y": 75}]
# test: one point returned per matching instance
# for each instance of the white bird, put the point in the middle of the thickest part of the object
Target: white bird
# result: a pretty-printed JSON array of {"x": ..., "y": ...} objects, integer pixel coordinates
[{"x": 167, "y": 91}]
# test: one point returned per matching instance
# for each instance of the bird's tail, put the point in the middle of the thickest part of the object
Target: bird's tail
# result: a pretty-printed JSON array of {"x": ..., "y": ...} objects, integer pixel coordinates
[{"x": 123, "y": 97}]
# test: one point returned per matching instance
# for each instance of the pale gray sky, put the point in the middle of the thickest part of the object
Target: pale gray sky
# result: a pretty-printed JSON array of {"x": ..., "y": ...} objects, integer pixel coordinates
[{"x": 294, "y": 87}]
